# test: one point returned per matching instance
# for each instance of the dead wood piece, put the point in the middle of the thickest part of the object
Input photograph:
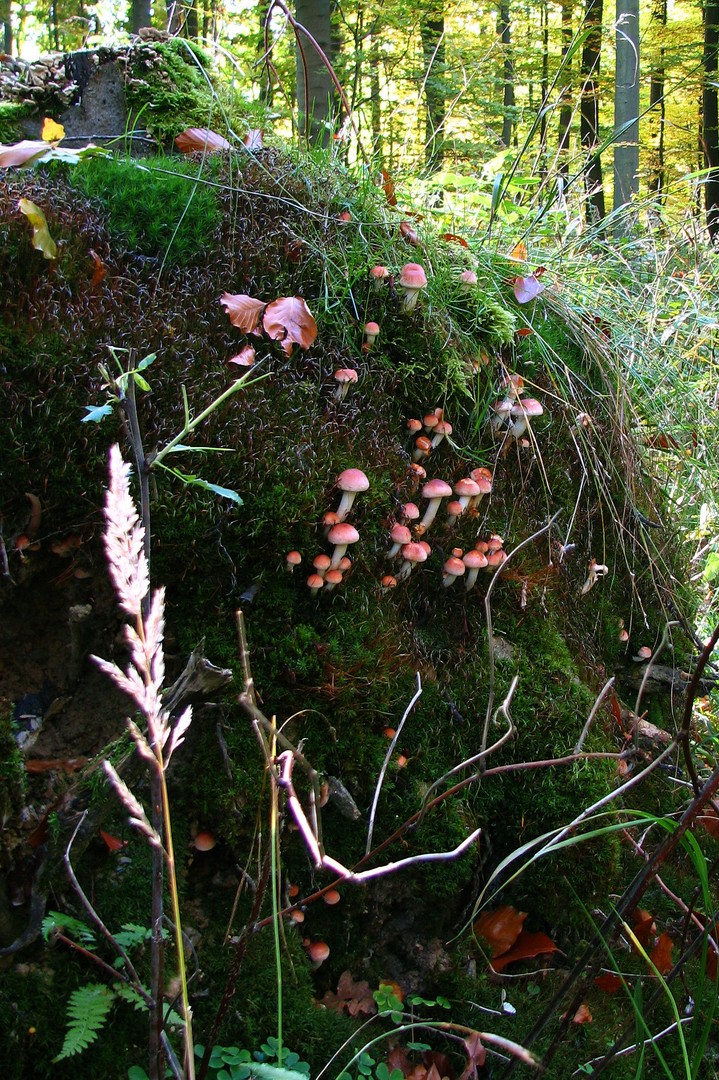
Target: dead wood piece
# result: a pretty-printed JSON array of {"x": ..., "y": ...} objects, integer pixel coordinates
[{"x": 199, "y": 679}]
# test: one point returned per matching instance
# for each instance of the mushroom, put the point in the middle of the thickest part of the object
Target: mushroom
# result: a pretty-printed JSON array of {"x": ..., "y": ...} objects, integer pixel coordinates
[
  {"x": 315, "y": 583},
  {"x": 453, "y": 569},
  {"x": 321, "y": 564},
  {"x": 412, "y": 280},
  {"x": 413, "y": 554},
  {"x": 331, "y": 897},
  {"x": 350, "y": 482},
  {"x": 466, "y": 489},
  {"x": 645, "y": 653},
  {"x": 430, "y": 422},
  {"x": 371, "y": 333},
  {"x": 410, "y": 511},
  {"x": 442, "y": 429},
  {"x": 500, "y": 414},
  {"x": 389, "y": 581},
  {"x": 434, "y": 491},
  {"x": 330, "y": 518},
  {"x": 483, "y": 478},
  {"x": 333, "y": 577},
  {"x": 474, "y": 562},
  {"x": 204, "y": 841},
  {"x": 422, "y": 447},
  {"x": 341, "y": 536},
  {"x": 454, "y": 510},
  {"x": 413, "y": 426},
  {"x": 400, "y": 536},
  {"x": 467, "y": 280},
  {"x": 292, "y": 559},
  {"x": 318, "y": 952},
  {"x": 520, "y": 412},
  {"x": 344, "y": 377},
  {"x": 379, "y": 275}
]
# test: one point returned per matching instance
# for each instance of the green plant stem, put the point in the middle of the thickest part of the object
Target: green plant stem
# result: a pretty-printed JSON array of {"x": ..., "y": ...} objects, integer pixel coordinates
[
  {"x": 189, "y": 426},
  {"x": 179, "y": 944},
  {"x": 274, "y": 873}
]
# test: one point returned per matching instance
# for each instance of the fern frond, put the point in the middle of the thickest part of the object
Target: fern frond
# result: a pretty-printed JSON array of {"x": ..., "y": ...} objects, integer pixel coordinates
[
  {"x": 74, "y": 928},
  {"x": 87, "y": 1011},
  {"x": 132, "y": 934}
]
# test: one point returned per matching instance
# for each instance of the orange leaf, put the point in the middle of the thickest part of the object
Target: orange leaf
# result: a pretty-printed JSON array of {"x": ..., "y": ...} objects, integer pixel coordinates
[
  {"x": 582, "y": 1015},
  {"x": 244, "y": 358},
  {"x": 500, "y": 928},
  {"x": 388, "y": 186},
  {"x": 289, "y": 320},
  {"x": 113, "y": 844},
  {"x": 452, "y": 238},
  {"x": 99, "y": 272},
  {"x": 192, "y": 139},
  {"x": 524, "y": 331},
  {"x": 243, "y": 311},
  {"x": 518, "y": 253},
  {"x": 608, "y": 982},
  {"x": 526, "y": 947},
  {"x": 408, "y": 233},
  {"x": 643, "y": 929},
  {"x": 661, "y": 954}
]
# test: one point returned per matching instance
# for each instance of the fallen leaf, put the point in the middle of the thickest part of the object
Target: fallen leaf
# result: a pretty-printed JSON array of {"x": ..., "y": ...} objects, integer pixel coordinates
[
  {"x": 42, "y": 765},
  {"x": 526, "y": 947},
  {"x": 33, "y": 526},
  {"x": 388, "y": 186},
  {"x": 113, "y": 843},
  {"x": 23, "y": 153},
  {"x": 290, "y": 321},
  {"x": 582, "y": 1015},
  {"x": 709, "y": 820},
  {"x": 99, "y": 272},
  {"x": 527, "y": 288},
  {"x": 254, "y": 139},
  {"x": 408, "y": 233},
  {"x": 644, "y": 928},
  {"x": 353, "y": 997},
  {"x": 518, "y": 253},
  {"x": 477, "y": 1056},
  {"x": 51, "y": 131},
  {"x": 452, "y": 238},
  {"x": 500, "y": 928},
  {"x": 661, "y": 954},
  {"x": 244, "y": 358},
  {"x": 524, "y": 331},
  {"x": 41, "y": 238},
  {"x": 243, "y": 311},
  {"x": 608, "y": 982},
  {"x": 193, "y": 139}
]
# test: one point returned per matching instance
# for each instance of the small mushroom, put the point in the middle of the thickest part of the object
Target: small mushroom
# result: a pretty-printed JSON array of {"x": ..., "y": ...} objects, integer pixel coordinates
[
  {"x": 453, "y": 568},
  {"x": 443, "y": 429},
  {"x": 474, "y": 562},
  {"x": 341, "y": 536},
  {"x": 315, "y": 583},
  {"x": 521, "y": 411},
  {"x": 434, "y": 491},
  {"x": 371, "y": 333},
  {"x": 422, "y": 447},
  {"x": 454, "y": 511},
  {"x": 321, "y": 564},
  {"x": 379, "y": 275},
  {"x": 412, "y": 280},
  {"x": 400, "y": 536},
  {"x": 292, "y": 559},
  {"x": 350, "y": 483},
  {"x": 344, "y": 377},
  {"x": 467, "y": 280},
  {"x": 412, "y": 554}
]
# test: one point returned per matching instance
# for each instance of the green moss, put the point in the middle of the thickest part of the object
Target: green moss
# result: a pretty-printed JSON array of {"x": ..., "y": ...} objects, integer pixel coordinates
[
  {"x": 157, "y": 208},
  {"x": 12, "y": 113}
]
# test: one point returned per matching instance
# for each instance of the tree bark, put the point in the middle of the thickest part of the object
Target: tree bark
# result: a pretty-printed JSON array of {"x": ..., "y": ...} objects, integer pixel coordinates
[
  {"x": 504, "y": 30},
  {"x": 591, "y": 55},
  {"x": 626, "y": 103},
  {"x": 657, "y": 106},
  {"x": 433, "y": 52},
  {"x": 6, "y": 21},
  {"x": 565, "y": 112},
  {"x": 140, "y": 14},
  {"x": 710, "y": 116},
  {"x": 315, "y": 92}
]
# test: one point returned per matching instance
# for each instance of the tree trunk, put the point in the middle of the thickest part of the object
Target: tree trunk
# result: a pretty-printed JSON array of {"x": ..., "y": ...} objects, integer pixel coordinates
[
  {"x": 710, "y": 116},
  {"x": 140, "y": 14},
  {"x": 657, "y": 106},
  {"x": 545, "y": 89},
  {"x": 565, "y": 112},
  {"x": 591, "y": 55},
  {"x": 375, "y": 97},
  {"x": 433, "y": 52},
  {"x": 6, "y": 21},
  {"x": 504, "y": 30},
  {"x": 315, "y": 92},
  {"x": 626, "y": 103}
]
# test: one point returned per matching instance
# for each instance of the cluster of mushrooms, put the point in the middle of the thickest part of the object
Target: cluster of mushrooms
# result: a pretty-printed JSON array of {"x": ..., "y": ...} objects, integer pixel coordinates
[{"x": 511, "y": 415}]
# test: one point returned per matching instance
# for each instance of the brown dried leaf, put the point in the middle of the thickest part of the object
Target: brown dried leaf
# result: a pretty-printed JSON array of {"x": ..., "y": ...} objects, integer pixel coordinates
[
  {"x": 582, "y": 1015},
  {"x": 661, "y": 954},
  {"x": 500, "y": 928},
  {"x": 193, "y": 139},
  {"x": 244, "y": 358},
  {"x": 290, "y": 321},
  {"x": 243, "y": 311},
  {"x": 408, "y": 233},
  {"x": 354, "y": 997},
  {"x": 709, "y": 820},
  {"x": 254, "y": 140},
  {"x": 526, "y": 947},
  {"x": 477, "y": 1056}
]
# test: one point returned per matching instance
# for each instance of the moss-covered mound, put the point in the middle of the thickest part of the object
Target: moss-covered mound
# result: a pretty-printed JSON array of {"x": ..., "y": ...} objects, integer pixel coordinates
[{"x": 144, "y": 255}]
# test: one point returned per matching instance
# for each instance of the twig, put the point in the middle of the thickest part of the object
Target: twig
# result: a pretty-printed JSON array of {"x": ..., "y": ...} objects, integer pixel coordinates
[
  {"x": 635, "y": 1046},
  {"x": 647, "y": 670},
  {"x": 488, "y": 620},
  {"x": 385, "y": 763},
  {"x": 594, "y": 710}
]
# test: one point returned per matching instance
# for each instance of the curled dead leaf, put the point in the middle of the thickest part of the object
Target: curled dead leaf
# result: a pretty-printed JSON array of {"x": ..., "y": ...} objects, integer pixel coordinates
[
  {"x": 192, "y": 140},
  {"x": 289, "y": 321},
  {"x": 243, "y": 311}
]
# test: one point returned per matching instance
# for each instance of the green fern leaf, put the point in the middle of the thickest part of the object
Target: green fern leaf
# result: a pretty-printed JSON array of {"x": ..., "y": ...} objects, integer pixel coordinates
[
  {"x": 74, "y": 928},
  {"x": 87, "y": 1012}
]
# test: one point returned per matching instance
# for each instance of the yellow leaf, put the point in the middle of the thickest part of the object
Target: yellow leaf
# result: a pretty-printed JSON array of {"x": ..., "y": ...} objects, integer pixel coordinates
[
  {"x": 518, "y": 253},
  {"x": 52, "y": 132},
  {"x": 41, "y": 238}
]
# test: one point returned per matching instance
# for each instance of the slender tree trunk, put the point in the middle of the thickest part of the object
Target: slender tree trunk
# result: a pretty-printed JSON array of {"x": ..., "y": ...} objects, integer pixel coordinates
[
  {"x": 315, "y": 92},
  {"x": 710, "y": 116},
  {"x": 140, "y": 14},
  {"x": 565, "y": 112},
  {"x": 375, "y": 96},
  {"x": 657, "y": 106},
  {"x": 626, "y": 103},
  {"x": 6, "y": 22},
  {"x": 504, "y": 30},
  {"x": 591, "y": 55},
  {"x": 433, "y": 53},
  {"x": 545, "y": 89}
]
